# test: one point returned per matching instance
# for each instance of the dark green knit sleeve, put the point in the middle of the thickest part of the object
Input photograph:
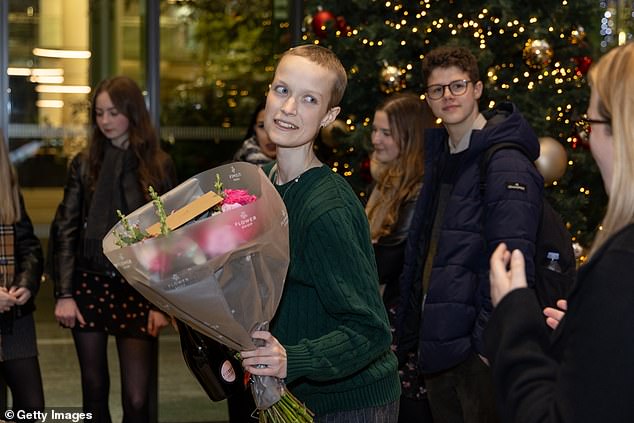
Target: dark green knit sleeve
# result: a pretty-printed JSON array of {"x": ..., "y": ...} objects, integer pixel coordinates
[{"x": 338, "y": 261}]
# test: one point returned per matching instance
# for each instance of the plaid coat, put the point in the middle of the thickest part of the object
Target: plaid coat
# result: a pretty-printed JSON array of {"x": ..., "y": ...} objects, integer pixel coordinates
[
  {"x": 21, "y": 260},
  {"x": 20, "y": 266}
]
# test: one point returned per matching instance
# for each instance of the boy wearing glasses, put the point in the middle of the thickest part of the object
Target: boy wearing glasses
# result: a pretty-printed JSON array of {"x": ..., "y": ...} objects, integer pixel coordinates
[{"x": 456, "y": 227}]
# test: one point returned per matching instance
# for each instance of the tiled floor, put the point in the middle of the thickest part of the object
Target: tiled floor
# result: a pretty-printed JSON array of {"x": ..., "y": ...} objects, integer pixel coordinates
[{"x": 181, "y": 399}]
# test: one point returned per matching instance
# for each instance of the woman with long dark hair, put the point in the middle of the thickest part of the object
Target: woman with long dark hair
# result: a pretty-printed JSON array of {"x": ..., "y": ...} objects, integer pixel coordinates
[{"x": 122, "y": 160}]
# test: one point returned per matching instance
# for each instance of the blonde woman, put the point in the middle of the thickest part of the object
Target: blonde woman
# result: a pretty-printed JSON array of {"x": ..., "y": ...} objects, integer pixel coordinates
[
  {"x": 397, "y": 138},
  {"x": 20, "y": 272},
  {"x": 397, "y": 166},
  {"x": 584, "y": 372}
]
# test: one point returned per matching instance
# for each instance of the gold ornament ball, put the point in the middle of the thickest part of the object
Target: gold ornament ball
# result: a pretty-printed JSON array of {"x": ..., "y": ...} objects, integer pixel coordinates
[
  {"x": 331, "y": 134},
  {"x": 392, "y": 79},
  {"x": 552, "y": 160},
  {"x": 538, "y": 54},
  {"x": 577, "y": 35}
]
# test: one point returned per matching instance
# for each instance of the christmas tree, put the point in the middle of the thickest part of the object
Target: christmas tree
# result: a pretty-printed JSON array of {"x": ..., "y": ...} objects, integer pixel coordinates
[{"x": 533, "y": 54}]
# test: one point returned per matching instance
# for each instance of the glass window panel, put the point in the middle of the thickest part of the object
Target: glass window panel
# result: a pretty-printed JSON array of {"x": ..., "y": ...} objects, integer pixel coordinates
[
  {"x": 129, "y": 36},
  {"x": 216, "y": 62},
  {"x": 49, "y": 61}
]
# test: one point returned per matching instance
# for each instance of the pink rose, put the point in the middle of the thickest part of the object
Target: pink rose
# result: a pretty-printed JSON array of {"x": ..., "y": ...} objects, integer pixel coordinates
[
  {"x": 153, "y": 259},
  {"x": 238, "y": 196},
  {"x": 162, "y": 257},
  {"x": 216, "y": 240}
]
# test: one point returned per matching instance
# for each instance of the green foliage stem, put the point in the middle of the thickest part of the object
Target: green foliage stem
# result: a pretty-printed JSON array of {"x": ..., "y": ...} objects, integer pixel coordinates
[
  {"x": 131, "y": 233},
  {"x": 159, "y": 208}
]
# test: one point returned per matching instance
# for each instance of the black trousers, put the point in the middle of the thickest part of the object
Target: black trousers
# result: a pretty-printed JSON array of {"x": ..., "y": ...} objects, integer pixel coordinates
[{"x": 463, "y": 394}]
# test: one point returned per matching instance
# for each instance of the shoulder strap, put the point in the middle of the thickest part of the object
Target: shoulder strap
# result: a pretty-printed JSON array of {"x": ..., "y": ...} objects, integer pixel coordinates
[
  {"x": 443, "y": 195},
  {"x": 489, "y": 152}
]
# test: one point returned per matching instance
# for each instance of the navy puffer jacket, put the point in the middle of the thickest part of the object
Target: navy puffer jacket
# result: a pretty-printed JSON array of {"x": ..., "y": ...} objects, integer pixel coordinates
[{"x": 457, "y": 305}]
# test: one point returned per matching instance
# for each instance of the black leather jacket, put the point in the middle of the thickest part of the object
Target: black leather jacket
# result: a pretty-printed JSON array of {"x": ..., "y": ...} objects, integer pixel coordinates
[
  {"x": 390, "y": 249},
  {"x": 68, "y": 227},
  {"x": 28, "y": 259}
]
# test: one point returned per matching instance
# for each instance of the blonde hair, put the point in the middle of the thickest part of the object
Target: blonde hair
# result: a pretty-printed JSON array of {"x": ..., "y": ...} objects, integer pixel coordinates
[
  {"x": 408, "y": 116},
  {"x": 9, "y": 192},
  {"x": 327, "y": 59},
  {"x": 612, "y": 80}
]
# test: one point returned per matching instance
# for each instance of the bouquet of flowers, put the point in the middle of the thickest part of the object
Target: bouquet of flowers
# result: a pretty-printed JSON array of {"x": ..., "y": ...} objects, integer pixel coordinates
[{"x": 216, "y": 261}]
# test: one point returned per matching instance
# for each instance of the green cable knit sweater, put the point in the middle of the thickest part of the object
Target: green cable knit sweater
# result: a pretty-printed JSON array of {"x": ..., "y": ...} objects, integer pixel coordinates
[{"x": 331, "y": 319}]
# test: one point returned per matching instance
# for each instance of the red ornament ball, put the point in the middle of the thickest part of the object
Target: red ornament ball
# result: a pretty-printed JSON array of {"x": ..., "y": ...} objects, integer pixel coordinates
[
  {"x": 322, "y": 21},
  {"x": 583, "y": 64}
]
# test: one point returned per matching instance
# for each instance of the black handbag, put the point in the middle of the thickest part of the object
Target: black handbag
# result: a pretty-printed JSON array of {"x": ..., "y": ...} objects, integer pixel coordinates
[{"x": 214, "y": 365}]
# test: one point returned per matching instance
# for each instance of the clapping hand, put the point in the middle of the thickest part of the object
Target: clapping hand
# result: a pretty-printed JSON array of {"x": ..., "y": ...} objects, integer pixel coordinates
[{"x": 507, "y": 272}]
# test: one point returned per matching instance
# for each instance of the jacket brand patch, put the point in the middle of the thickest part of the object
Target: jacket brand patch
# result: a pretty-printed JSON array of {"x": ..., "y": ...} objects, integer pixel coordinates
[{"x": 516, "y": 186}]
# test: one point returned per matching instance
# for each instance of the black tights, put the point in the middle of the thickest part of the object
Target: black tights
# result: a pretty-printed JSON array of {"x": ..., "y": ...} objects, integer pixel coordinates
[
  {"x": 24, "y": 379},
  {"x": 136, "y": 358}
]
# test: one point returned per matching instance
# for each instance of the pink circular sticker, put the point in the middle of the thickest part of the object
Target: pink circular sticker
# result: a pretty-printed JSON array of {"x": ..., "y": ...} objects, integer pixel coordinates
[{"x": 227, "y": 372}]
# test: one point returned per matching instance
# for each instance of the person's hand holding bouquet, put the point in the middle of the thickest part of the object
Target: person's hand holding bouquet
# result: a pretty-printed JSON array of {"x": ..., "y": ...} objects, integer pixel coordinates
[{"x": 266, "y": 360}]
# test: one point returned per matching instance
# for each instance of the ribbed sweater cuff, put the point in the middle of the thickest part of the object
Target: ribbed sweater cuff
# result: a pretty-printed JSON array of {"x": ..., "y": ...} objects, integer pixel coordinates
[{"x": 298, "y": 360}]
